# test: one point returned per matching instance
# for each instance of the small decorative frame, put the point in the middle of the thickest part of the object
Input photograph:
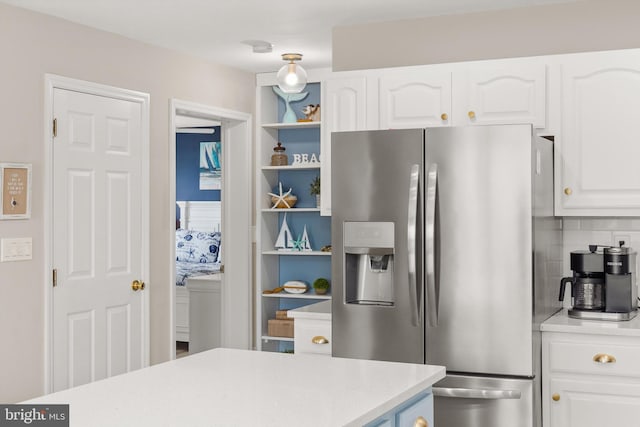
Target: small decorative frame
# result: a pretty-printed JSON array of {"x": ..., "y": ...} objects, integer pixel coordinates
[{"x": 15, "y": 190}]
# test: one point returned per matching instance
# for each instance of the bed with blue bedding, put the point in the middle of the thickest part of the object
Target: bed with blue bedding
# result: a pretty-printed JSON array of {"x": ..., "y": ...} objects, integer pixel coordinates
[{"x": 197, "y": 254}]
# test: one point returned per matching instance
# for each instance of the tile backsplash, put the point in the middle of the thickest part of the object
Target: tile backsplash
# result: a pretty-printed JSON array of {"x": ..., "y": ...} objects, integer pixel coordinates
[{"x": 579, "y": 232}]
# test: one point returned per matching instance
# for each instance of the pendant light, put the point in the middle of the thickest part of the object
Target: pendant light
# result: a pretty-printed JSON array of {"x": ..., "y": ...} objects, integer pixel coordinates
[{"x": 291, "y": 78}]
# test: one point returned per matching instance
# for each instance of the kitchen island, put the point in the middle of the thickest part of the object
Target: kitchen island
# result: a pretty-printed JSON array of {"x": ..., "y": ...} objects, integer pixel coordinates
[{"x": 226, "y": 387}]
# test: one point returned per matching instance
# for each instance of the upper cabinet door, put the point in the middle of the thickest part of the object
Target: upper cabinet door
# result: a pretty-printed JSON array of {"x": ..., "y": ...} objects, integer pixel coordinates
[
  {"x": 599, "y": 149},
  {"x": 415, "y": 99},
  {"x": 344, "y": 108},
  {"x": 500, "y": 94}
]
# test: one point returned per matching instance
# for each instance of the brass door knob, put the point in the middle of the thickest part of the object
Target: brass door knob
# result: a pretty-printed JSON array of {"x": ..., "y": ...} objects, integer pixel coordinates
[
  {"x": 444, "y": 117},
  {"x": 420, "y": 422},
  {"x": 319, "y": 339},
  {"x": 472, "y": 115},
  {"x": 137, "y": 285},
  {"x": 555, "y": 397},
  {"x": 604, "y": 358},
  {"x": 568, "y": 191}
]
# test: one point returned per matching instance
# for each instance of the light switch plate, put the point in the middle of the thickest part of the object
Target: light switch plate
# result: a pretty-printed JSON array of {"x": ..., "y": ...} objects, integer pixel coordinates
[{"x": 17, "y": 249}]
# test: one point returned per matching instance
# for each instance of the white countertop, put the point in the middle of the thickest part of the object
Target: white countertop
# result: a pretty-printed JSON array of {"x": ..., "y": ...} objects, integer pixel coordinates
[
  {"x": 224, "y": 387},
  {"x": 319, "y": 311},
  {"x": 561, "y": 322}
]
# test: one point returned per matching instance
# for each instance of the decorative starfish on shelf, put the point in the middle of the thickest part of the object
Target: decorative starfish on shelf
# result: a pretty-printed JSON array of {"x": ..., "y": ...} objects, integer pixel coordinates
[
  {"x": 281, "y": 197},
  {"x": 298, "y": 244}
]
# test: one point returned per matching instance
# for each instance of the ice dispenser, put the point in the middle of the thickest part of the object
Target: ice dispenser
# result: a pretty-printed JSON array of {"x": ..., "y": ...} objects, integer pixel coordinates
[{"x": 368, "y": 260}]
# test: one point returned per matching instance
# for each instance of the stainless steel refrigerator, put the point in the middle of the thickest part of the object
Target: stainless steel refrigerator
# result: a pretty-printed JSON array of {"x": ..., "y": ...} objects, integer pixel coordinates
[{"x": 442, "y": 239}]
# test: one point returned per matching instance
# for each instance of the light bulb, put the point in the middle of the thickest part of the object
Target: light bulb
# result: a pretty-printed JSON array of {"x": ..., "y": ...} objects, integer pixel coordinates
[{"x": 291, "y": 78}]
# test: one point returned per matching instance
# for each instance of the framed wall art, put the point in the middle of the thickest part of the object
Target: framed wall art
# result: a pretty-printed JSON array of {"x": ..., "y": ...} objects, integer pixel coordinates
[{"x": 15, "y": 190}]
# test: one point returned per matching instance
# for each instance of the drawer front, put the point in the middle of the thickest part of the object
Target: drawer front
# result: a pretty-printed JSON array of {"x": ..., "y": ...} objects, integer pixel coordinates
[
  {"x": 304, "y": 332},
  {"x": 601, "y": 358},
  {"x": 423, "y": 408}
]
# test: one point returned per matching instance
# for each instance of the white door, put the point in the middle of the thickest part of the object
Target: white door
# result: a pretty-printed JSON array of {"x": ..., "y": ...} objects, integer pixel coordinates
[
  {"x": 98, "y": 319},
  {"x": 415, "y": 99},
  {"x": 513, "y": 93},
  {"x": 600, "y": 134},
  {"x": 347, "y": 109}
]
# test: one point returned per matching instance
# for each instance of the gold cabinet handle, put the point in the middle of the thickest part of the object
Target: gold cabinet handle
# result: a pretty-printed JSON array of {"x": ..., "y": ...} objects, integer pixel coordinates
[
  {"x": 604, "y": 358},
  {"x": 568, "y": 191},
  {"x": 137, "y": 285},
  {"x": 420, "y": 422},
  {"x": 555, "y": 397},
  {"x": 319, "y": 339},
  {"x": 472, "y": 115},
  {"x": 444, "y": 117}
]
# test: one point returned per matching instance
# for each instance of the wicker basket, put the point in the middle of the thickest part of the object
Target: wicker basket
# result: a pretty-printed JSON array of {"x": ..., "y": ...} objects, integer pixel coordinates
[{"x": 291, "y": 200}]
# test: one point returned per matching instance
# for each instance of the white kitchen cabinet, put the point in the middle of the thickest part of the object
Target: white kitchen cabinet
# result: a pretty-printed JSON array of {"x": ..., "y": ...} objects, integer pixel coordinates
[
  {"x": 591, "y": 375},
  {"x": 598, "y": 170},
  {"x": 312, "y": 329},
  {"x": 414, "y": 98},
  {"x": 346, "y": 106},
  {"x": 500, "y": 92}
]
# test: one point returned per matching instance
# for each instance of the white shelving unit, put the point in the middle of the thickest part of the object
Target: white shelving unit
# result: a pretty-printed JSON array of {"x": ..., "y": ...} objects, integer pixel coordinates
[{"x": 269, "y": 265}]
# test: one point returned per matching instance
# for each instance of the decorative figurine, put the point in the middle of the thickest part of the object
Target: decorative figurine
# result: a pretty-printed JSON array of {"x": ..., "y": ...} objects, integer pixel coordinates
[
  {"x": 312, "y": 112},
  {"x": 289, "y": 114}
]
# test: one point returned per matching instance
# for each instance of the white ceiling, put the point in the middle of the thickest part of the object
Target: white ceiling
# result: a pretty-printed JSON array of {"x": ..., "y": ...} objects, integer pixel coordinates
[{"x": 214, "y": 30}]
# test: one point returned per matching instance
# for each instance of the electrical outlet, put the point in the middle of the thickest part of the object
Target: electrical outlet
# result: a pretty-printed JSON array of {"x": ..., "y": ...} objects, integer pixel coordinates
[{"x": 18, "y": 249}]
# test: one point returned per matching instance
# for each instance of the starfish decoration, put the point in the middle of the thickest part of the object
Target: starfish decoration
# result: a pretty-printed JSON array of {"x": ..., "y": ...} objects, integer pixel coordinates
[
  {"x": 281, "y": 197},
  {"x": 298, "y": 244}
]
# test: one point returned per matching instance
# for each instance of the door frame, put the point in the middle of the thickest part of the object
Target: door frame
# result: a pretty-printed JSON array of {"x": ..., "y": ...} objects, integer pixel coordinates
[
  {"x": 236, "y": 131},
  {"x": 52, "y": 82}
]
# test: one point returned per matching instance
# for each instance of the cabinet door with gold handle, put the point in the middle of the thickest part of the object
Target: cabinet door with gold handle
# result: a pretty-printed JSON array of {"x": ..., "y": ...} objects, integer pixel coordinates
[
  {"x": 137, "y": 285},
  {"x": 421, "y": 422}
]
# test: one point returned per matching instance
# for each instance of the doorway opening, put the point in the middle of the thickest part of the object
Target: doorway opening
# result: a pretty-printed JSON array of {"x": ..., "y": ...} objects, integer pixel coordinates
[{"x": 226, "y": 318}]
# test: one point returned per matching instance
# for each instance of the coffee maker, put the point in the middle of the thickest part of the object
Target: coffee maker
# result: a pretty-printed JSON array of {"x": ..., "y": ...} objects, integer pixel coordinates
[{"x": 603, "y": 285}]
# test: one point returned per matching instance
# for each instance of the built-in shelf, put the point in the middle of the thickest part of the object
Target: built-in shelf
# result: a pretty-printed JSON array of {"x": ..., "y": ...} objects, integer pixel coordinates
[
  {"x": 297, "y": 125},
  {"x": 301, "y": 166},
  {"x": 270, "y": 338},
  {"x": 297, "y": 253},
  {"x": 297, "y": 296},
  {"x": 291, "y": 210}
]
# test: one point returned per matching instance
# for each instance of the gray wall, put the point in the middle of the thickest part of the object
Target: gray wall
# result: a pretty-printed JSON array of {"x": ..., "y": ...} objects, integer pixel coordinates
[
  {"x": 31, "y": 45},
  {"x": 589, "y": 25}
]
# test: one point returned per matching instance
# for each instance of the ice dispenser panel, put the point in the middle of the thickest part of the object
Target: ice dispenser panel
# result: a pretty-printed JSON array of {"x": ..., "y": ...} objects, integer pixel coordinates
[{"x": 368, "y": 260}]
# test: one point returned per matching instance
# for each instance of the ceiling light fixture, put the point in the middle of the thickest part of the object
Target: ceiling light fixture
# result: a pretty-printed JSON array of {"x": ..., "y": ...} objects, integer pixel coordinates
[{"x": 291, "y": 77}]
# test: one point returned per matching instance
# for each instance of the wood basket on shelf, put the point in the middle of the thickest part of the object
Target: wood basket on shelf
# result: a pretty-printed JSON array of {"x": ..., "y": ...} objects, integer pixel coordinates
[{"x": 291, "y": 201}]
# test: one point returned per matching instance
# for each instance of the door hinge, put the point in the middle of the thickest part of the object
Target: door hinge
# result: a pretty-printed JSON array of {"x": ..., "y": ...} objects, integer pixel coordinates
[
  {"x": 55, "y": 277},
  {"x": 55, "y": 127}
]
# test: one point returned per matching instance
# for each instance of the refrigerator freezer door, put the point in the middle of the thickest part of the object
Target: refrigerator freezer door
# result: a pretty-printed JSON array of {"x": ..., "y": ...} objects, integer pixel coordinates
[
  {"x": 463, "y": 401},
  {"x": 483, "y": 249},
  {"x": 377, "y": 181}
]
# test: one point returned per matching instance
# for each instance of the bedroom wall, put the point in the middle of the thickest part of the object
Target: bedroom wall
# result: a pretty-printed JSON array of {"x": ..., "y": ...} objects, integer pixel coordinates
[
  {"x": 587, "y": 25},
  {"x": 31, "y": 45},
  {"x": 187, "y": 166}
]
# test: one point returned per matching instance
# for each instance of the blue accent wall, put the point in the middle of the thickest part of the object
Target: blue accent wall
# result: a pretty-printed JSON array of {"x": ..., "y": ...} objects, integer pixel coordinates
[{"x": 188, "y": 166}]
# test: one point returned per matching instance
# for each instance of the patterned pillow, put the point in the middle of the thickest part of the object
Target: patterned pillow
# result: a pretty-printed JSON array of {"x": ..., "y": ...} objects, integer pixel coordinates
[{"x": 197, "y": 246}]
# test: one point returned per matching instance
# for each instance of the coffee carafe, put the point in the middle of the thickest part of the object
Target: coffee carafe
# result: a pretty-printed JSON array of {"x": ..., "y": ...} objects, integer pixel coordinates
[{"x": 603, "y": 285}]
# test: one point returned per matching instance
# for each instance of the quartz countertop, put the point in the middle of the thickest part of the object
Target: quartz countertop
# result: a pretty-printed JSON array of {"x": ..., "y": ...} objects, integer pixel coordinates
[
  {"x": 224, "y": 387},
  {"x": 319, "y": 311},
  {"x": 561, "y": 322}
]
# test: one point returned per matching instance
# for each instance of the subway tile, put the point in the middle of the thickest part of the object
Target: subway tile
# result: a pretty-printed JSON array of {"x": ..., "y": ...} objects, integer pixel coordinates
[{"x": 570, "y": 224}]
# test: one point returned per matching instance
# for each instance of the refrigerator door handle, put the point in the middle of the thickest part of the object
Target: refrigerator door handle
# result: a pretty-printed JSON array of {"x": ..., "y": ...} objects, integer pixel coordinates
[
  {"x": 471, "y": 393},
  {"x": 412, "y": 219},
  {"x": 430, "y": 237}
]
